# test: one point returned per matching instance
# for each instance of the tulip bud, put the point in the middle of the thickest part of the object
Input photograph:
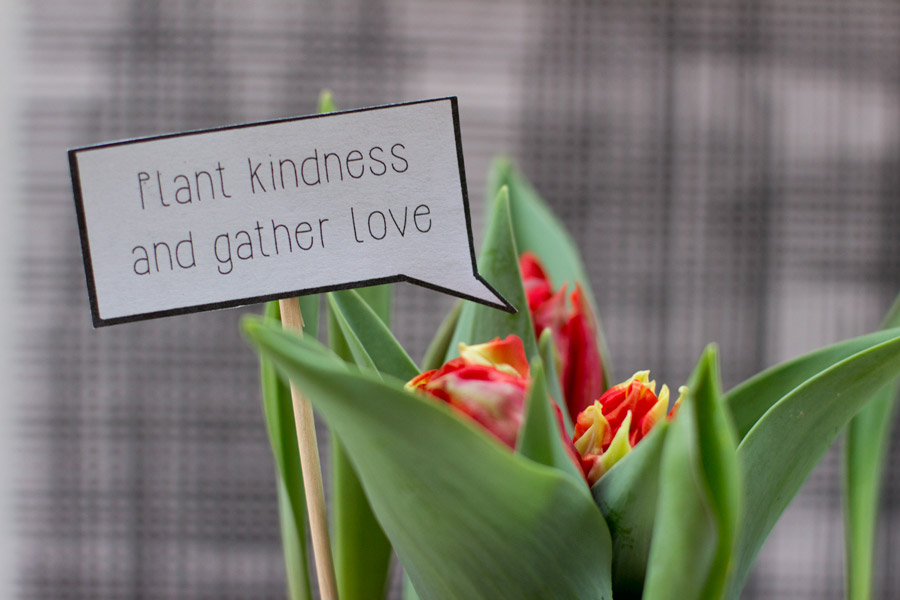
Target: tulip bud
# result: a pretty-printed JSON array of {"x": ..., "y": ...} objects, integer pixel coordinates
[
  {"x": 608, "y": 429},
  {"x": 487, "y": 383},
  {"x": 574, "y": 333}
]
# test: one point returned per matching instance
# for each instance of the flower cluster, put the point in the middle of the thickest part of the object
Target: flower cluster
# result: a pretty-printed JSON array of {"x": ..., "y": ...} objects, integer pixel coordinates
[{"x": 488, "y": 382}]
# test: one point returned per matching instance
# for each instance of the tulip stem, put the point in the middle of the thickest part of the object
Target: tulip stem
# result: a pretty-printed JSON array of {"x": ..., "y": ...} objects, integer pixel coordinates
[{"x": 292, "y": 319}]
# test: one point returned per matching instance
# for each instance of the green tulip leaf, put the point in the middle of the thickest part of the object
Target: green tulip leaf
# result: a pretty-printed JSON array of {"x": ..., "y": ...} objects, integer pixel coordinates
[
  {"x": 279, "y": 413},
  {"x": 780, "y": 451},
  {"x": 696, "y": 526},
  {"x": 362, "y": 553},
  {"x": 538, "y": 230},
  {"x": 751, "y": 399},
  {"x": 547, "y": 350},
  {"x": 498, "y": 263},
  {"x": 865, "y": 450},
  {"x": 718, "y": 444},
  {"x": 409, "y": 592},
  {"x": 627, "y": 495},
  {"x": 439, "y": 347},
  {"x": 309, "y": 307},
  {"x": 467, "y": 517},
  {"x": 369, "y": 340},
  {"x": 293, "y": 546},
  {"x": 372, "y": 346},
  {"x": 541, "y": 437}
]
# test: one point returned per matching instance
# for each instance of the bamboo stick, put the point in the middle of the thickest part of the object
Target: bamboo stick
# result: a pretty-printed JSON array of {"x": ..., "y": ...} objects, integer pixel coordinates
[{"x": 292, "y": 319}]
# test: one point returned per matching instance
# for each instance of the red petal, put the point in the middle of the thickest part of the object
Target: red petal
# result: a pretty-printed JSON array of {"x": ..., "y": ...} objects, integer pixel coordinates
[
  {"x": 583, "y": 422},
  {"x": 583, "y": 367},
  {"x": 531, "y": 267},
  {"x": 505, "y": 354},
  {"x": 422, "y": 379},
  {"x": 645, "y": 400},
  {"x": 615, "y": 406},
  {"x": 483, "y": 393},
  {"x": 551, "y": 313}
]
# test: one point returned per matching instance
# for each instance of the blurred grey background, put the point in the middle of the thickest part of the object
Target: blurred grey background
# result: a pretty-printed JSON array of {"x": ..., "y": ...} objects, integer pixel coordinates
[{"x": 730, "y": 170}]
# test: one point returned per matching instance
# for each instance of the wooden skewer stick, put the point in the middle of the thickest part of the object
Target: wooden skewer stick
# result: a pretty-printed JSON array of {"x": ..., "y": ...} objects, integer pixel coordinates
[{"x": 292, "y": 319}]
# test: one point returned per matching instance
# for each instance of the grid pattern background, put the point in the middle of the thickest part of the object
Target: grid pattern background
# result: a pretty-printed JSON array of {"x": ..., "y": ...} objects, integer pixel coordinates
[{"x": 731, "y": 171}]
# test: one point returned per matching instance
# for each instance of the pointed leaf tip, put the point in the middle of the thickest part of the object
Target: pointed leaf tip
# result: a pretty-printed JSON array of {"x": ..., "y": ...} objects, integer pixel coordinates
[
  {"x": 326, "y": 102},
  {"x": 698, "y": 506},
  {"x": 250, "y": 325},
  {"x": 498, "y": 263}
]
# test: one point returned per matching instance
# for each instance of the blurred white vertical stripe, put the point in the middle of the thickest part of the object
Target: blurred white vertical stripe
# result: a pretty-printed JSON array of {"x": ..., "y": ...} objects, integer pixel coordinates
[{"x": 10, "y": 62}]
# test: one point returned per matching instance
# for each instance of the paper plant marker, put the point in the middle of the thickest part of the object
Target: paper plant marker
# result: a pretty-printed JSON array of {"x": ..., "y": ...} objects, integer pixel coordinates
[
  {"x": 225, "y": 217},
  {"x": 292, "y": 319},
  {"x": 238, "y": 215}
]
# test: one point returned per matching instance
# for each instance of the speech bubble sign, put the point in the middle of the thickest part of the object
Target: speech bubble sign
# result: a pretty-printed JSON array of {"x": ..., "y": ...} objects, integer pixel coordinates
[{"x": 225, "y": 217}]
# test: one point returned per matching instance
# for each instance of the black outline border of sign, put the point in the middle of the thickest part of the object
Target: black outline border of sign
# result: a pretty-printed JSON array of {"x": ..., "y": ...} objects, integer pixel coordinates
[{"x": 86, "y": 250}]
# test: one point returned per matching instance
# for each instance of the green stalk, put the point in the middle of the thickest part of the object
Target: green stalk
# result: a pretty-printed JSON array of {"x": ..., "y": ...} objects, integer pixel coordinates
[
  {"x": 362, "y": 552},
  {"x": 293, "y": 545},
  {"x": 865, "y": 450},
  {"x": 279, "y": 413}
]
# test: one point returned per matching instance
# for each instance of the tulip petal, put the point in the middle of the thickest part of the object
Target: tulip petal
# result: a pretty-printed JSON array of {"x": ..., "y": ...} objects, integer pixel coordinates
[
  {"x": 531, "y": 267},
  {"x": 653, "y": 416},
  {"x": 584, "y": 382},
  {"x": 506, "y": 355},
  {"x": 441, "y": 487},
  {"x": 592, "y": 431},
  {"x": 618, "y": 447},
  {"x": 584, "y": 371},
  {"x": 491, "y": 398}
]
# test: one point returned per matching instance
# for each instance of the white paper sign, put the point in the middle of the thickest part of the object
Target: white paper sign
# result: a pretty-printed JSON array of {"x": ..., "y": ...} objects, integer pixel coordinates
[{"x": 224, "y": 217}]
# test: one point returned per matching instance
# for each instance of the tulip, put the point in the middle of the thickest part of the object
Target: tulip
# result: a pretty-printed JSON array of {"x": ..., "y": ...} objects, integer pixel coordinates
[
  {"x": 608, "y": 429},
  {"x": 574, "y": 333},
  {"x": 487, "y": 383}
]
